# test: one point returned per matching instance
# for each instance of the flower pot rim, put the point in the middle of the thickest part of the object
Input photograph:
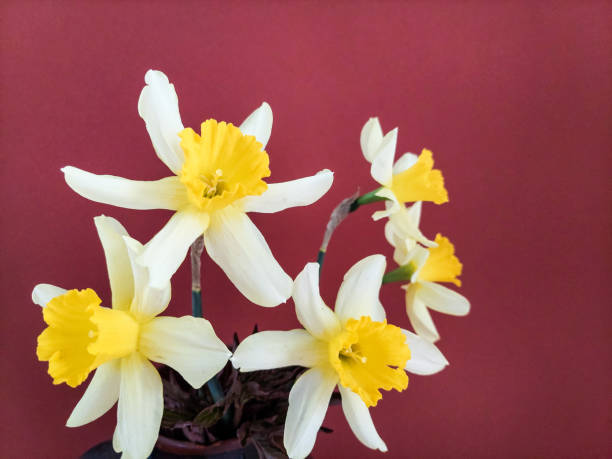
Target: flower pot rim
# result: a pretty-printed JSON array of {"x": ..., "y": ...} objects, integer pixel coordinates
[{"x": 180, "y": 447}]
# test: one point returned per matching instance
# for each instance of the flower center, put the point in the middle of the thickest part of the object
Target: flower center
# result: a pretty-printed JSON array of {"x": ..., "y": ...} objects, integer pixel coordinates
[
  {"x": 420, "y": 182},
  {"x": 369, "y": 356},
  {"x": 213, "y": 186},
  {"x": 82, "y": 335},
  {"x": 222, "y": 165},
  {"x": 442, "y": 265}
]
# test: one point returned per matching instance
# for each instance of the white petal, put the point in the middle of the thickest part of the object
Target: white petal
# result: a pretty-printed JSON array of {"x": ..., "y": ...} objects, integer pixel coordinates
[
  {"x": 390, "y": 234},
  {"x": 311, "y": 311},
  {"x": 275, "y": 349},
  {"x": 100, "y": 396},
  {"x": 116, "y": 440},
  {"x": 396, "y": 237},
  {"x": 382, "y": 164},
  {"x": 358, "y": 294},
  {"x": 406, "y": 161},
  {"x": 141, "y": 405},
  {"x": 308, "y": 402},
  {"x": 402, "y": 231},
  {"x": 158, "y": 107},
  {"x": 166, "y": 251},
  {"x": 358, "y": 417},
  {"x": 187, "y": 344},
  {"x": 43, "y": 293},
  {"x": 259, "y": 124},
  {"x": 378, "y": 314},
  {"x": 167, "y": 193},
  {"x": 418, "y": 256},
  {"x": 414, "y": 213},
  {"x": 425, "y": 357},
  {"x": 148, "y": 300},
  {"x": 401, "y": 253},
  {"x": 419, "y": 315},
  {"x": 371, "y": 138},
  {"x": 281, "y": 196},
  {"x": 442, "y": 299},
  {"x": 237, "y": 246},
  {"x": 111, "y": 233},
  {"x": 391, "y": 205}
]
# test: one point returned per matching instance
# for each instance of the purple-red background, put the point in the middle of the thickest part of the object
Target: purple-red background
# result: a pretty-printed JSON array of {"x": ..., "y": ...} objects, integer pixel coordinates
[{"x": 515, "y": 101}]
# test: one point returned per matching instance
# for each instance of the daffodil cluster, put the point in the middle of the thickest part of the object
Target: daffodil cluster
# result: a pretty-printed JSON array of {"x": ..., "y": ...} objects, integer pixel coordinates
[
  {"x": 217, "y": 178},
  {"x": 422, "y": 262}
]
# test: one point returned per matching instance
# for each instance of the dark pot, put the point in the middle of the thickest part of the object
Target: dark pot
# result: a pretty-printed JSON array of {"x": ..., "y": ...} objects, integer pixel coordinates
[{"x": 167, "y": 448}]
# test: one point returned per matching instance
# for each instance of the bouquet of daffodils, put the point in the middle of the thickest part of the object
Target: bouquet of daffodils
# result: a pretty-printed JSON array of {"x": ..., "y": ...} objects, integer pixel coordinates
[{"x": 217, "y": 178}]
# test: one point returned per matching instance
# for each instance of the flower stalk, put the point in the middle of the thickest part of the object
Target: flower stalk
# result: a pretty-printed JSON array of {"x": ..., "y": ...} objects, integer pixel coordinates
[
  {"x": 401, "y": 274},
  {"x": 196, "y": 276},
  {"x": 340, "y": 212},
  {"x": 196, "y": 304},
  {"x": 367, "y": 198}
]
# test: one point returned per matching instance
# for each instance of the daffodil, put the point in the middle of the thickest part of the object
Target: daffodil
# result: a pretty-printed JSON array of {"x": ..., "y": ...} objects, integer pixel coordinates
[
  {"x": 428, "y": 266},
  {"x": 402, "y": 230},
  {"x": 412, "y": 178},
  {"x": 119, "y": 343},
  {"x": 217, "y": 177},
  {"x": 352, "y": 347}
]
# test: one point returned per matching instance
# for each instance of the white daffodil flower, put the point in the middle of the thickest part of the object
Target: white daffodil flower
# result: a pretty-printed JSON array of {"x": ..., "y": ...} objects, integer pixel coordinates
[
  {"x": 353, "y": 348},
  {"x": 410, "y": 179},
  {"x": 402, "y": 231},
  {"x": 217, "y": 179},
  {"x": 119, "y": 343},
  {"x": 429, "y": 266}
]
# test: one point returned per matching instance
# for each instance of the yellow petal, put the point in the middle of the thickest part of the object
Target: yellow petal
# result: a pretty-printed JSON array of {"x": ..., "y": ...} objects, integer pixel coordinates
[
  {"x": 442, "y": 265},
  {"x": 81, "y": 335},
  {"x": 421, "y": 182},
  {"x": 369, "y": 356},
  {"x": 222, "y": 165},
  {"x": 116, "y": 334},
  {"x": 64, "y": 342}
]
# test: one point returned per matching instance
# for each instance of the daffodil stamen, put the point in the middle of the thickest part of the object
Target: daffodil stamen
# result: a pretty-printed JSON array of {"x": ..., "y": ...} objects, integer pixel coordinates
[
  {"x": 369, "y": 356},
  {"x": 222, "y": 165},
  {"x": 350, "y": 353},
  {"x": 214, "y": 186}
]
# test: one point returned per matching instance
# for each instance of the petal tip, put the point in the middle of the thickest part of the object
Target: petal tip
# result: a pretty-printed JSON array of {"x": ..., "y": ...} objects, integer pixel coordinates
[
  {"x": 235, "y": 362},
  {"x": 70, "y": 422},
  {"x": 151, "y": 76}
]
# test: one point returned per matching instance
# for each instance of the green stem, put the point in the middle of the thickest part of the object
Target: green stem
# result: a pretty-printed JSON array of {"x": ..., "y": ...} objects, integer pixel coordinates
[
  {"x": 367, "y": 198},
  {"x": 196, "y": 305},
  {"x": 401, "y": 274},
  {"x": 216, "y": 391},
  {"x": 320, "y": 258}
]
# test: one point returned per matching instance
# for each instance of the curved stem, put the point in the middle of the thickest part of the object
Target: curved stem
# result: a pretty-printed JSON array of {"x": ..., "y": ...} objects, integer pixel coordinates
[
  {"x": 340, "y": 212},
  {"x": 367, "y": 198}
]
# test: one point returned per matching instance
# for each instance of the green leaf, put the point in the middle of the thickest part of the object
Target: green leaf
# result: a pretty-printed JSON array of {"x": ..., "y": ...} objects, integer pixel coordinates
[{"x": 209, "y": 416}]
